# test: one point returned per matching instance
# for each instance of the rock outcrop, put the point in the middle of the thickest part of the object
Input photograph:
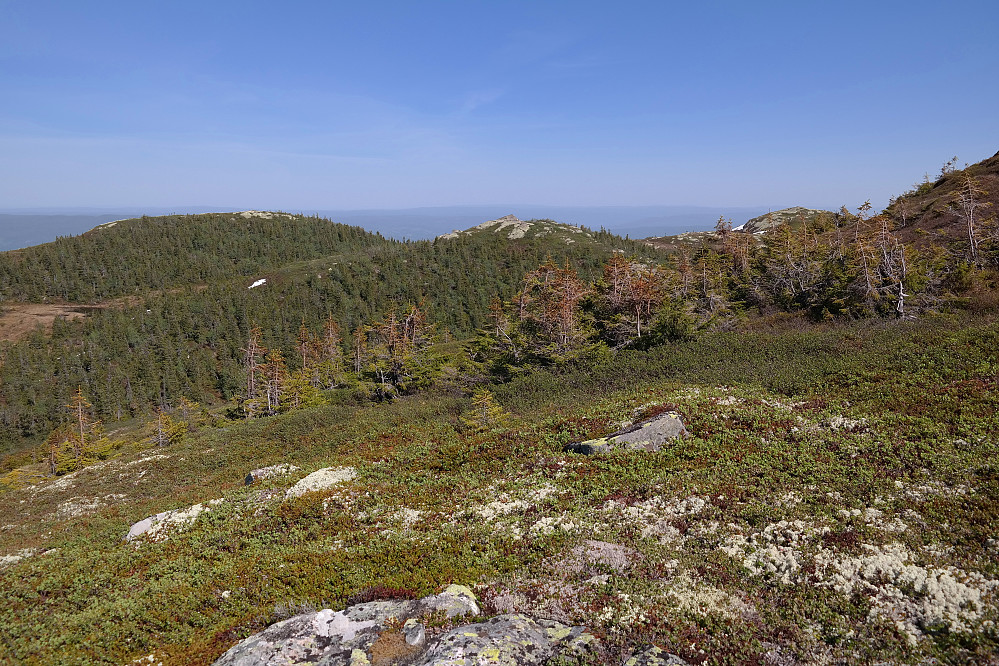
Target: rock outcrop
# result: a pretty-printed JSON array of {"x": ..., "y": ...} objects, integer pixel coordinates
[
  {"x": 411, "y": 632},
  {"x": 650, "y": 435}
]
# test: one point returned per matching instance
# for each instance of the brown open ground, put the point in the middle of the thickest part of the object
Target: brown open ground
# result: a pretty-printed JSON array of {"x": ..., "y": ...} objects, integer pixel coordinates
[{"x": 17, "y": 320}]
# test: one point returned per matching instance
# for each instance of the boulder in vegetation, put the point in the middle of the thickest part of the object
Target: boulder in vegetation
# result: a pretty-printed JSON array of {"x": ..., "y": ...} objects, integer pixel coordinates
[
  {"x": 390, "y": 632},
  {"x": 649, "y": 435},
  {"x": 378, "y": 631}
]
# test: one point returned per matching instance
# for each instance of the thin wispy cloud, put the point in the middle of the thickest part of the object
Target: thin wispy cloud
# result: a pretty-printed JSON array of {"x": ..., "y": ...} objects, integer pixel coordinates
[{"x": 480, "y": 98}]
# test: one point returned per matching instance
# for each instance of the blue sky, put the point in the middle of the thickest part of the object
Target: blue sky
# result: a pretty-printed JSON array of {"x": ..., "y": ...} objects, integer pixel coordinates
[{"x": 320, "y": 105}]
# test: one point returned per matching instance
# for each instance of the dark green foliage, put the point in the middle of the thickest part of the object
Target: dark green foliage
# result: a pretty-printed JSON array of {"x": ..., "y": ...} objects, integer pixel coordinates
[{"x": 182, "y": 334}]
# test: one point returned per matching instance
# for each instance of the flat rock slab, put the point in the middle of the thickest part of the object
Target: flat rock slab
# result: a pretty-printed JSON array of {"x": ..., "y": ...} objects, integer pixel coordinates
[
  {"x": 511, "y": 639},
  {"x": 650, "y": 435}
]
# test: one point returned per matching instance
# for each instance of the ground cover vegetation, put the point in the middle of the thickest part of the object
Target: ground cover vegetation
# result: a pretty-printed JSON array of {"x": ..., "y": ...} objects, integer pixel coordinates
[{"x": 836, "y": 501}]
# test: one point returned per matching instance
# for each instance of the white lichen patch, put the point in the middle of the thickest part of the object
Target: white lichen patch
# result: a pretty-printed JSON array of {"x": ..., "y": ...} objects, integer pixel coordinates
[
  {"x": 548, "y": 525},
  {"x": 322, "y": 479},
  {"x": 158, "y": 527},
  {"x": 497, "y": 508},
  {"x": 778, "y": 551},
  {"x": 624, "y": 611},
  {"x": 505, "y": 504},
  {"x": 408, "y": 517},
  {"x": 83, "y": 506},
  {"x": 654, "y": 516},
  {"x": 922, "y": 492},
  {"x": 844, "y": 423},
  {"x": 915, "y": 597},
  {"x": 698, "y": 598},
  {"x": 62, "y": 483},
  {"x": 7, "y": 560},
  {"x": 875, "y": 518}
]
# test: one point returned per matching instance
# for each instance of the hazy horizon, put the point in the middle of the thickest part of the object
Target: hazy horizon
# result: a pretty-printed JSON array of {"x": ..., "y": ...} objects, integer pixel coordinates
[{"x": 26, "y": 227}]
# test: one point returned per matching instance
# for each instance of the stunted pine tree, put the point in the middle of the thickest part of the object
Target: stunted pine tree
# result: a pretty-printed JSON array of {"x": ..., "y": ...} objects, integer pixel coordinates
[
  {"x": 253, "y": 354},
  {"x": 969, "y": 204},
  {"x": 273, "y": 374},
  {"x": 394, "y": 349},
  {"x": 79, "y": 440},
  {"x": 627, "y": 295},
  {"x": 548, "y": 311}
]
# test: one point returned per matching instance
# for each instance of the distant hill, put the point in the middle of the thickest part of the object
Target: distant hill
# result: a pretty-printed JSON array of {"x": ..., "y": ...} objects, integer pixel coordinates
[
  {"x": 793, "y": 217},
  {"x": 23, "y": 228},
  {"x": 512, "y": 228},
  {"x": 170, "y": 300}
]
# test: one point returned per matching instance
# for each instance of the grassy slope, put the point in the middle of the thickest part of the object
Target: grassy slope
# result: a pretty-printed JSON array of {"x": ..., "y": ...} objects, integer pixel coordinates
[{"x": 747, "y": 567}]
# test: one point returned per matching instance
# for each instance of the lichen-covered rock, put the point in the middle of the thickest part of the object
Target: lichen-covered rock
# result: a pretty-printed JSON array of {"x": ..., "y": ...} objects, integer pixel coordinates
[
  {"x": 654, "y": 656},
  {"x": 650, "y": 435},
  {"x": 157, "y": 527},
  {"x": 511, "y": 639},
  {"x": 393, "y": 632},
  {"x": 259, "y": 475},
  {"x": 345, "y": 637},
  {"x": 322, "y": 479}
]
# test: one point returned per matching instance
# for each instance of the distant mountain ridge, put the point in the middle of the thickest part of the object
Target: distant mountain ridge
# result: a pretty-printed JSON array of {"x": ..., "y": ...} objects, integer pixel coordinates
[{"x": 24, "y": 228}]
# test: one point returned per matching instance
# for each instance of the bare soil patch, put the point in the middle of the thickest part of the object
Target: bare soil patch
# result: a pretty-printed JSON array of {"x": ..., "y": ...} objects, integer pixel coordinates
[{"x": 18, "y": 320}]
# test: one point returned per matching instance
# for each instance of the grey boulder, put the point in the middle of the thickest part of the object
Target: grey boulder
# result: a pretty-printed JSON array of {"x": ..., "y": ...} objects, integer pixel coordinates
[{"x": 650, "y": 435}]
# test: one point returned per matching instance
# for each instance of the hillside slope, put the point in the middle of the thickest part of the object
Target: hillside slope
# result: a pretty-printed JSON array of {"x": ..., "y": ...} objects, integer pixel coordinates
[
  {"x": 830, "y": 506},
  {"x": 931, "y": 212}
]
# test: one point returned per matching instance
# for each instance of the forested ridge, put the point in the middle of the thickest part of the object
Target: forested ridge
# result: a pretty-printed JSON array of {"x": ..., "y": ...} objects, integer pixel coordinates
[
  {"x": 134, "y": 256},
  {"x": 182, "y": 331}
]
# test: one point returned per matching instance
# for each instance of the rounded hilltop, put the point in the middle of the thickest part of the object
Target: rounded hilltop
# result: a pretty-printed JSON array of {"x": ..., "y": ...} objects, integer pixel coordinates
[{"x": 515, "y": 228}]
